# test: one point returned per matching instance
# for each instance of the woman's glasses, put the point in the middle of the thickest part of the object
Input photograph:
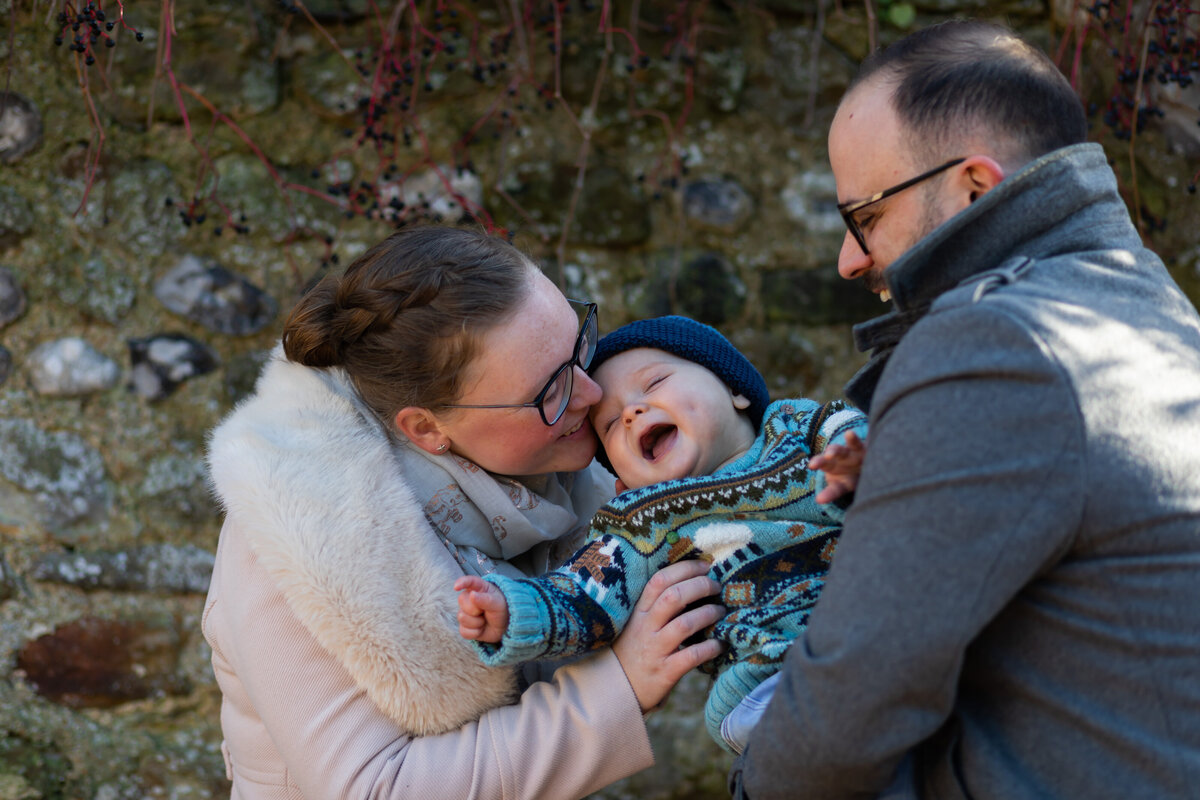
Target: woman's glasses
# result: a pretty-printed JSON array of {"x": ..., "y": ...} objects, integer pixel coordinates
[{"x": 552, "y": 401}]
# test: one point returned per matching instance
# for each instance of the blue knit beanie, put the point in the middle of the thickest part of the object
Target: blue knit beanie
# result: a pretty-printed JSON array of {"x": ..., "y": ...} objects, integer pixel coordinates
[{"x": 695, "y": 342}]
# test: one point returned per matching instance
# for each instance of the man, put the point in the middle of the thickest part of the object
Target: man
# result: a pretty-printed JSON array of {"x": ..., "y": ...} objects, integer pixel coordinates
[{"x": 1014, "y": 607}]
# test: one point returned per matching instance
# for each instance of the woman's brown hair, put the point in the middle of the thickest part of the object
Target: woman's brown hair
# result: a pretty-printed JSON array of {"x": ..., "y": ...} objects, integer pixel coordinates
[{"x": 405, "y": 318}]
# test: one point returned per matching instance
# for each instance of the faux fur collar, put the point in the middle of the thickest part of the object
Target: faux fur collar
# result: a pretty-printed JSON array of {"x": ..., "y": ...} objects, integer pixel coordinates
[{"x": 313, "y": 484}]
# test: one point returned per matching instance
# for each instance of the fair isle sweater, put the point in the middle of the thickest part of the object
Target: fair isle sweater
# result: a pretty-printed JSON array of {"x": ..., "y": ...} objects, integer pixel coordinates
[{"x": 755, "y": 520}]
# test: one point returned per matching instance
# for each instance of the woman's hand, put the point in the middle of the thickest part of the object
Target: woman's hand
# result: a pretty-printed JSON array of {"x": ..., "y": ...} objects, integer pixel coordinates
[{"x": 650, "y": 648}]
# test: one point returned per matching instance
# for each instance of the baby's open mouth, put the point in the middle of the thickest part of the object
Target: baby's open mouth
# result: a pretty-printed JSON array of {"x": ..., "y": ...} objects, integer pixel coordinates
[{"x": 657, "y": 441}]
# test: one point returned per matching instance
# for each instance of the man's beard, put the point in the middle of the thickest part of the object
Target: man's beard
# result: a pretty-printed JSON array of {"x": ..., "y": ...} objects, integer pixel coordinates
[{"x": 873, "y": 280}]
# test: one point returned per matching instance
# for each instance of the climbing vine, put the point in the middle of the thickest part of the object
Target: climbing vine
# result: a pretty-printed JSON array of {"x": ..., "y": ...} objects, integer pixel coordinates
[{"x": 403, "y": 54}]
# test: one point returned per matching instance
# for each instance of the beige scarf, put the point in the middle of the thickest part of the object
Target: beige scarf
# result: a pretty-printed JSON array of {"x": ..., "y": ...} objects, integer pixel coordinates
[{"x": 495, "y": 523}]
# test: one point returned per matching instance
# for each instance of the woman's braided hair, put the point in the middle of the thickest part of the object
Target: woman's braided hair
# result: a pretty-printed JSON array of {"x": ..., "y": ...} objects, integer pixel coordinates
[{"x": 405, "y": 318}]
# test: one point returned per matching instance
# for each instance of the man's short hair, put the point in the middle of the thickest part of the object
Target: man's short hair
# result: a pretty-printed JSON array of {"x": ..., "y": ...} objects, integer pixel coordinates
[{"x": 964, "y": 77}]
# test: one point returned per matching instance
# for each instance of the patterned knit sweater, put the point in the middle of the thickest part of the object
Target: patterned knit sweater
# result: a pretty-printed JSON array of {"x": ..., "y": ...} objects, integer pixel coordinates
[{"x": 755, "y": 520}]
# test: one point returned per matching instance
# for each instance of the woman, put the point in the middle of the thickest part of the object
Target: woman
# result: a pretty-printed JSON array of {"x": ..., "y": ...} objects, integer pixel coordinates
[{"x": 363, "y": 476}]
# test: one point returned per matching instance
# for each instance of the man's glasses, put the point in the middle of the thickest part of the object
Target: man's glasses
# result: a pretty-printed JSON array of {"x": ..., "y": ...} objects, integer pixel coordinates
[
  {"x": 552, "y": 401},
  {"x": 848, "y": 210}
]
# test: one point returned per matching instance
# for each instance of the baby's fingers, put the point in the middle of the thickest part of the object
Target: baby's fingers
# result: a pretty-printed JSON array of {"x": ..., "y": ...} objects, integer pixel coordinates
[
  {"x": 827, "y": 460},
  {"x": 490, "y": 600},
  {"x": 831, "y": 492},
  {"x": 470, "y": 626},
  {"x": 472, "y": 582},
  {"x": 469, "y": 603}
]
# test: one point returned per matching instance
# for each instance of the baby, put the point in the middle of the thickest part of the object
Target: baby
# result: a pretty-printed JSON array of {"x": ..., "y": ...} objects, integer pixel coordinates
[{"x": 707, "y": 469}]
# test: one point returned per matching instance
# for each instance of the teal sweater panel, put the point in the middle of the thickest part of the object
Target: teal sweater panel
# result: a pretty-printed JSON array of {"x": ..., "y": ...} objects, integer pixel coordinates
[{"x": 755, "y": 520}]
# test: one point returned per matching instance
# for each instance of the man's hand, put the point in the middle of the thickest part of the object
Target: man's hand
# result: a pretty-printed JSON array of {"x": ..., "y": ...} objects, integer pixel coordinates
[
  {"x": 482, "y": 610},
  {"x": 841, "y": 465}
]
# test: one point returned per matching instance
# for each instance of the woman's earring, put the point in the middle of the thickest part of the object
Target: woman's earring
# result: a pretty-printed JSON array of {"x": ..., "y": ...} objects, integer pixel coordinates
[{"x": 441, "y": 448}]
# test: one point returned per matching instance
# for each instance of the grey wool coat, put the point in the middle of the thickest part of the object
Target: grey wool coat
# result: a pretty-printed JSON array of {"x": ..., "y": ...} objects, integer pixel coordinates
[{"x": 1014, "y": 608}]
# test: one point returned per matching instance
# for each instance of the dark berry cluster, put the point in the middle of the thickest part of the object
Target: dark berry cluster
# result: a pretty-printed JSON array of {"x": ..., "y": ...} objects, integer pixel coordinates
[
  {"x": 428, "y": 55},
  {"x": 1171, "y": 56},
  {"x": 87, "y": 26},
  {"x": 405, "y": 73},
  {"x": 194, "y": 214}
]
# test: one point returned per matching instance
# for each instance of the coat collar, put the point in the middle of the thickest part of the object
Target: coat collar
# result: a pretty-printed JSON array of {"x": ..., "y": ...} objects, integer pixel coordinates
[
  {"x": 314, "y": 488},
  {"x": 1056, "y": 204}
]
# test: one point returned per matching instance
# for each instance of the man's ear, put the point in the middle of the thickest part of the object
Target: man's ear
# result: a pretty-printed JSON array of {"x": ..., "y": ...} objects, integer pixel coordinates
[
  {"x": 741, "y": 402},
  {"x": 978, "y": 175},
  {"x": 422, "y": 429}
]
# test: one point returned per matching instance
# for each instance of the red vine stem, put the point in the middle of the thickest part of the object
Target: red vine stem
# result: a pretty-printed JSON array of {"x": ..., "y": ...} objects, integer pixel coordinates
[
  {"x": 96, "y": 146},
  {"x": 324, "y": 33},
  {"x": 585, "y": 128},
  {"x": 1133, "y": 129}
]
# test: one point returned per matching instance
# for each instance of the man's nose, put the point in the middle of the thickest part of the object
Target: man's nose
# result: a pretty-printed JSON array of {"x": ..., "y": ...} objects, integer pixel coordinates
[{"x": 852, "y": 261}]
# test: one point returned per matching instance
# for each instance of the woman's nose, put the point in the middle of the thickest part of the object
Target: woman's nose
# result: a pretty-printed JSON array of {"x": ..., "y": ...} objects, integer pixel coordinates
[
  {"x": 585, "y": 392},
  {"x": 852, "y": 261}
]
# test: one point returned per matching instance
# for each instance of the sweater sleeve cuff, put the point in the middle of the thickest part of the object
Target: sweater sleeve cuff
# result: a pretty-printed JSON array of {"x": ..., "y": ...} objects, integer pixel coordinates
[{"x": 525, "y": 638}]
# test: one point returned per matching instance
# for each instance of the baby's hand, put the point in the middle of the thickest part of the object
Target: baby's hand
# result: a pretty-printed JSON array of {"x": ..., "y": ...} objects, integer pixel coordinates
[
  {"x": 841, "y": 465},
  {"x": 482, "y": 609}
]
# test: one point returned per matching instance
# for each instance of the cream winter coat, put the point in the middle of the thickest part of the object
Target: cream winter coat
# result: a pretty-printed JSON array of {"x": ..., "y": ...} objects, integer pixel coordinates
[{"x": 332, "y": 622}]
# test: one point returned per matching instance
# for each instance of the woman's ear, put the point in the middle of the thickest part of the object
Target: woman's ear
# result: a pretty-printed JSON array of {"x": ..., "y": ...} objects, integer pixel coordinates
[
  {"x": 422, "y": 429},
  {"x": 741, "y": 402}
]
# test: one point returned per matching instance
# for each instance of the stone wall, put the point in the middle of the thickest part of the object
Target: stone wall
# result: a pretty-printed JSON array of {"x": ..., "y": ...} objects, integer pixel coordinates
[{"x": 141, "y": 288}]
